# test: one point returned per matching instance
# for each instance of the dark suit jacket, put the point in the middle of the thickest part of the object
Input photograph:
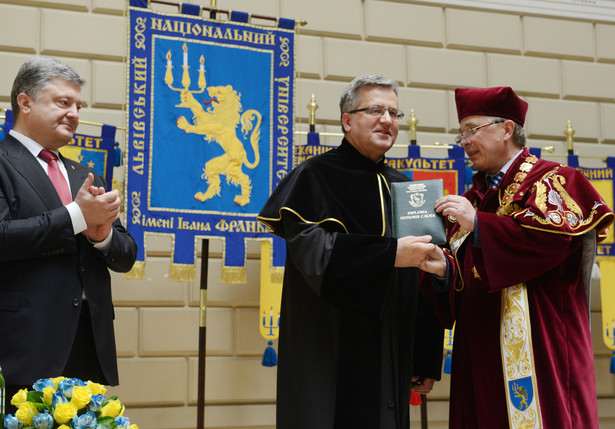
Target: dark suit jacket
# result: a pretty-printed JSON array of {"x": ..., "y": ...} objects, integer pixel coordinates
[{"x": 44, "y": 267}]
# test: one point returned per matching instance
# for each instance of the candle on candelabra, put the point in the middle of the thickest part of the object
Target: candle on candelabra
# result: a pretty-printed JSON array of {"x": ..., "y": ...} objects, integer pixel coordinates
[
  {"x": 185, "y": 48},
  {"x": 169, "y": 64},
  {"x": 202, "y": 66},
  {"x": 271, "y": 316}
]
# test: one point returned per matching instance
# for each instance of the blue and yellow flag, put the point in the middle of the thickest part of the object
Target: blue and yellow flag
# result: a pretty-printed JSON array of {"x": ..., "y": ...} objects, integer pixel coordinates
[
  {"x": 210, "y": 131},
  {"x": 98, "y": 153}
]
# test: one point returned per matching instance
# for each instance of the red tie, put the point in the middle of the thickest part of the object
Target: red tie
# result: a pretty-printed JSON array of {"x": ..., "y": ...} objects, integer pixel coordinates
[{"x": 56, "y": 176}]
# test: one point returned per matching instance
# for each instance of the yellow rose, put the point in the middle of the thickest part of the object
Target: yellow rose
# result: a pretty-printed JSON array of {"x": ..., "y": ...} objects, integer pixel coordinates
[
  {"x": 96, "y": 389},
  {"x": 63, "y": 427},
  {"x": 19, "y": 398},
  {"x": 133, "y": 427},
  {"x": 81, "y": 396},
  {"x": 26, "y": 412},
  {"x": 57, "y": 381},
  {"x": 112, "y": 409},
  {"x": 64, "y": 413},
  {"x": 48, "y": 394}
]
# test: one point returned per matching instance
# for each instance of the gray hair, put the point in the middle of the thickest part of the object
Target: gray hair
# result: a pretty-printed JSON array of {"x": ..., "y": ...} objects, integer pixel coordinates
[
  {"x": 518, "y": 133},
  {"x": 34, "y": 76},
  {"x": 350, "y": 98}
]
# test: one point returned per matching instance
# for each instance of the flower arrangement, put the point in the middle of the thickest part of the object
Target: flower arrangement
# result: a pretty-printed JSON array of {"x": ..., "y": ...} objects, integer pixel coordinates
[{"x": 66, "y": 403}]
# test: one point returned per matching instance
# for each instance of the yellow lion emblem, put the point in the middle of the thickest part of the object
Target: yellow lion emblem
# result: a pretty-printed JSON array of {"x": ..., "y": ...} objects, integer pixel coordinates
[{"x": 218, "y": 123}]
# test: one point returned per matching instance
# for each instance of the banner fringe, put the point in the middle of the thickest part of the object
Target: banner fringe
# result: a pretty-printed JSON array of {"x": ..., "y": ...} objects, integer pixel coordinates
[
  {"x": 276, "y": 274},
  {"x": 137, "y": 271},
  {"x": 233, "y": 275},
  {"x": 182, "y": 272}
]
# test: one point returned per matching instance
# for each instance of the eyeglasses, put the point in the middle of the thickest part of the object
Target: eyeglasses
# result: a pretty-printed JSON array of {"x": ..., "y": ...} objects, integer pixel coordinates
[
  {"x": 467, "y": 134},
  {"x": 395, "y": 114}
]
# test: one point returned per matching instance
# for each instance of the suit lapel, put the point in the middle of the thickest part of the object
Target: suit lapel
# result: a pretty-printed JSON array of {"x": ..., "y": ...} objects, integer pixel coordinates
[
  {"x": 32, "y": 172},
  {"x": 77, "y": 173}
]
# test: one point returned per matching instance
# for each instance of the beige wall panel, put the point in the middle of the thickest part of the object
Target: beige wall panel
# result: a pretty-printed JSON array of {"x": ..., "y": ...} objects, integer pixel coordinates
[
  {"x": 81, "y": 5},
  {"x": 158, "y": 243},
  {"x": 591, "y": 154},
  {"x": 606, "y": 411},
  {"x": 558, "y": 38},
  {"x": 85, "y": 29},
  {"x": 261, "y": 7},
  {"x": 240, "y": 416},
  {"x": 605, "y": 386},
  {"x": 584, "y": 80},
  {"x": 163, "y": 417},
  {"x": 154, "y": 290},
  {"x": 327, "y": 97},
  {"x": 224, "y": 294},
  {"x": 430, "y": 107},
  {"x": 341, "y": 17},
  {"x": 102, "y": 116},
  {"x": 236, "y": 380},
  {"x": 439, "y": 68},
  {"x": 109, "y": 88},
  {"x": 605, "y": 35},
  {"x": 12, "y": 35},
  {"x": 250, "y": 342},
  {"x": 115, "y": 7},
  {"x": 175, "y": 331},
  {"x": 607, "y": 120},
  {"x": 483, "y": 31},
  {"x": 9, "y": 65},
  {"x": 309, "y": 56},
  {"x": 126, "y": 328},
  {"x": 396, "y": 22},
  {"x": 347, "y": 59},
  {"x": 548, "y": 118},
  {"x": 152, "y": 381},
  {"x": 437, "y": 412},
  {"x": 526, "y": 75}
]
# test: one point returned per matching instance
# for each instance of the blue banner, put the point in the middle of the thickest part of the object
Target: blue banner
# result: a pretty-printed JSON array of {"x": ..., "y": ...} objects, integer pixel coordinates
[
  {"x": 96, "y": 152},
  {"x": 210, "y": 129}
]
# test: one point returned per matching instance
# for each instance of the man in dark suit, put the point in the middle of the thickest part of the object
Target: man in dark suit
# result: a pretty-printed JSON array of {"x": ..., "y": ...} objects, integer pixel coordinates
[{"x": 59, "y": 235}]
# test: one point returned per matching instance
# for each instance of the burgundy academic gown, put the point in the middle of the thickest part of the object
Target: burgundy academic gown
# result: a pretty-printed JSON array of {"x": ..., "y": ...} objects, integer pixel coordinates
[{"x": 526, "y": 246}]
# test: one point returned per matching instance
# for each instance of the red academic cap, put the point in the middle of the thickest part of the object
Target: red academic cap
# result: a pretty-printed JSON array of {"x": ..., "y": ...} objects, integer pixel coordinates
[{"x": 499, "y": 101}]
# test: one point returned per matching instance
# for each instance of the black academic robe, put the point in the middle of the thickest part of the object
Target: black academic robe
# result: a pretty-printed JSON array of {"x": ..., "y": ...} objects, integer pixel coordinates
[{"x": 349, "y": 318}]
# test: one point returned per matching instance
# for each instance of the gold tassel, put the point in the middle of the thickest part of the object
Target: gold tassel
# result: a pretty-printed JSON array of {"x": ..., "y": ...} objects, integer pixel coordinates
[
  {"x": 137, "y": 271},
  {"x": 182, "y": 272},
  {"x": 233, "y": 275},
  {"x": 276, "y": 274}
]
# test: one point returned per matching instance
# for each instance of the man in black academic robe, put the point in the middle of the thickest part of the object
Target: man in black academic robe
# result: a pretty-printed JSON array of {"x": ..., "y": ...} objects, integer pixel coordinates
[{"x": 355, "y": 326}]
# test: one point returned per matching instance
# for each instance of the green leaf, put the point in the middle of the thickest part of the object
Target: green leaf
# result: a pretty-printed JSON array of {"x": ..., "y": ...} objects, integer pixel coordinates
[{"x": 35, "y": 396}]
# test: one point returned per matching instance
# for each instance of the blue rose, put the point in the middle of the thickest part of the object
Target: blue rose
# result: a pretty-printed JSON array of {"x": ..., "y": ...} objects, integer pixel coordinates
[
  {"x": 96, "y": 402},
  {"x": 58, "y": 398},
  {"x": 122, "y": 422},
  {"x": 43, "y": 421},
  {"x": 85, "y": 421},
  {"x": 66, "y": 387},
  {"x": 39, "y": 385},
  {"x": 12, "y": 422}
]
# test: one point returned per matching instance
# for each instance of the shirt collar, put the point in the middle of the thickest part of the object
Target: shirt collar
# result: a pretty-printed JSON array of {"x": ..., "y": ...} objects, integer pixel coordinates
[
  {"x": 509, "y": 163},
  {"x": 33, "y": 147}
]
